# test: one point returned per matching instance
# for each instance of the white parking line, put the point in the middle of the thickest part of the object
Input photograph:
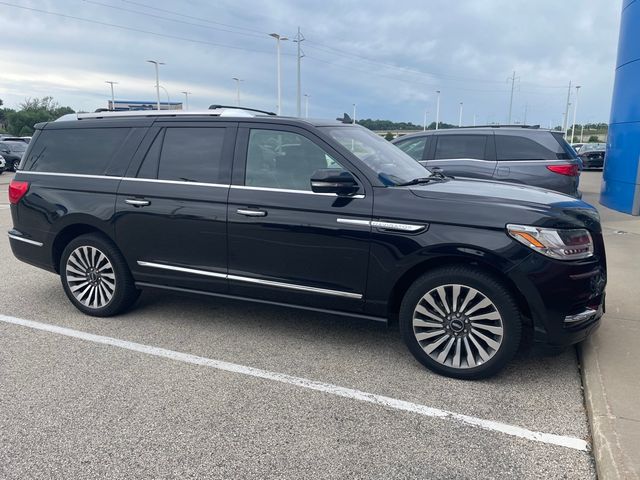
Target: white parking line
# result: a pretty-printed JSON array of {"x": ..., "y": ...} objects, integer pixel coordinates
[{"x": 548, "y": 438}]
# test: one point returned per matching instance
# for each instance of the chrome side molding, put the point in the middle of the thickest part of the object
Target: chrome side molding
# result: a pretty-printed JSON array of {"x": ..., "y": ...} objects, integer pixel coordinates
[
  {"x": 394, "y": 226},
  {"x": 25, "y": 240}
]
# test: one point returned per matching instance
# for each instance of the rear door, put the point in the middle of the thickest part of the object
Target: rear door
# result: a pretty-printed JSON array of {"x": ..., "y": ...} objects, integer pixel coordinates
[
  {"x": 171, "y": 206},
  {"x": 463, "y": 154}
]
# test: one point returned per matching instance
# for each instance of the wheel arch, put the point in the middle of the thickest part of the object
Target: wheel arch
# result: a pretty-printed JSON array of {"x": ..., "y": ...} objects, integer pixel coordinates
[{"x": 66, "y": 235}]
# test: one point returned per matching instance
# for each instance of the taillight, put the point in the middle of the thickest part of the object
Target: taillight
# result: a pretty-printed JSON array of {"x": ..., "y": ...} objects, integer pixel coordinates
[
  {"x": 17, "y": 190},
  {"x": 569, "y": 170}
]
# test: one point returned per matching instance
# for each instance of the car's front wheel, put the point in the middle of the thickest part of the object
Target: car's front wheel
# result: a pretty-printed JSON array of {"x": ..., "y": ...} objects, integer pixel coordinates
[
  {"x": 460, "y": 322},
  {"x": 95, "y": 276}
]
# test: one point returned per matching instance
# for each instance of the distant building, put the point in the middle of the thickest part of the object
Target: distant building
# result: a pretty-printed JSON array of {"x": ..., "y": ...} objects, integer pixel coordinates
[{"x": 121, "y": 105}]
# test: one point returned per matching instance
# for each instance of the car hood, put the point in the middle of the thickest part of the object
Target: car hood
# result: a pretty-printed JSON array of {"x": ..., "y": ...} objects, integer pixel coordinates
[{"x": 494, "y": 204}]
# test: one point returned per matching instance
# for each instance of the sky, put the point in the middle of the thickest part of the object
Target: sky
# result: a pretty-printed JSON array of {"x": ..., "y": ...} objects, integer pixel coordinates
[{"x": 389, "y": 58}]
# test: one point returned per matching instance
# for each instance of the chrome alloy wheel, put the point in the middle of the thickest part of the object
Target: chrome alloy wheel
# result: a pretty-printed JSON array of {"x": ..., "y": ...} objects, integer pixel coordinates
[
  {"x": 90, "y": 277},
  {"x": 457, "y": 326}
]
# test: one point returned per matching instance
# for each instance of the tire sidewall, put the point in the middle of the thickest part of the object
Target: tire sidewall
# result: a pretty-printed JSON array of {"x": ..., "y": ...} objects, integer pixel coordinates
[{"x": 488, "y": 286}]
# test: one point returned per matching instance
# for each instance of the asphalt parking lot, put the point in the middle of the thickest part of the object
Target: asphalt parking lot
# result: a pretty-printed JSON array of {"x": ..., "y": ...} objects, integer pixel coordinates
[{"x": 74, "y": 405}]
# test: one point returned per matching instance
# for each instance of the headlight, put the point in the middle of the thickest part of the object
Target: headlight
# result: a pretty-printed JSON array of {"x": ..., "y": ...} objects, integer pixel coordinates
[{"x": 560, "y": 244}]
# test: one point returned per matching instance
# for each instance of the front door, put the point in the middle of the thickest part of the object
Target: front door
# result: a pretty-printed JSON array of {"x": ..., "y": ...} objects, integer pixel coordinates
[
  {"x": 172, "y": 206},
  {"x": 287, "y": 243}
]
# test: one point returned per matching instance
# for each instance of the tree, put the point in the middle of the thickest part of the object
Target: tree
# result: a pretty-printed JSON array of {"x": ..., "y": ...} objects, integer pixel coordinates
[
  {"x": 389, "y": 136},
  {"x": 32, "y": 111},
  {"x": 594, "y": 139}
]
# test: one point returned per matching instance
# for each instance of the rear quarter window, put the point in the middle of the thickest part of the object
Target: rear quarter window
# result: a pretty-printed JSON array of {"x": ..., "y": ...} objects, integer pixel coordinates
[
  {"x": 542, "y": 146},
  {"x": 76, "y": 150}
]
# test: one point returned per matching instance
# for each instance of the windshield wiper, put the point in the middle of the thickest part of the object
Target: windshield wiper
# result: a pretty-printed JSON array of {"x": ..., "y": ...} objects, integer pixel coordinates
[{"x": 436, "y": 176}]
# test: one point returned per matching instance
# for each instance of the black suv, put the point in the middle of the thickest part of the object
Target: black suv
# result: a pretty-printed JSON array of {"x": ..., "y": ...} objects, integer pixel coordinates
[
  {"x": 316, "y": 215},
  {"x": 526, "y": 155}
]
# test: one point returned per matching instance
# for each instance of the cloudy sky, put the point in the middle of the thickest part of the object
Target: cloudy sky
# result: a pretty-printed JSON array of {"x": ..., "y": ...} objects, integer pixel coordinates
[{"x": 388, "y": 57}]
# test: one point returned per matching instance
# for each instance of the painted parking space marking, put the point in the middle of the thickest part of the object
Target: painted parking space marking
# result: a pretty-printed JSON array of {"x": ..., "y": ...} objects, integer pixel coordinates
[{"x": 381, "y": 400}]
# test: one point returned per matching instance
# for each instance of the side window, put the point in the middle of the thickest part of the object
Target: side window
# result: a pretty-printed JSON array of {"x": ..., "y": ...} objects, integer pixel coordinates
[
  {"x": 75, "y": 150},
  {"x": 512, "y": 147},
  {"x": 278, "y": 159},
  {"x": 191, "y": 154},
  {"x": 460, "y": 146},
  {"x": 149, "y": 167},
  {"x": 414, "y": 147}
]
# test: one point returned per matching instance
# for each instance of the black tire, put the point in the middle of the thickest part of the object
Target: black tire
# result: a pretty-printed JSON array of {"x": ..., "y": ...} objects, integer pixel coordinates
[
  {"x": 470, "y": 365},
  {"x": 14, "y": 165},
  {"x": 123, "y": 292}
]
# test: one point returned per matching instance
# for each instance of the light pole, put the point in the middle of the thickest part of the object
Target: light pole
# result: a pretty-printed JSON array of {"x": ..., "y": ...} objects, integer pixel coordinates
[
  {"x": 424, "y": 123},
  {"x": 575, "y": 110},
  {"x": 278, "y": 38},
  {"x": 186, "y": 99},
  {"x": 460, "y": 116},
  {"x": 353, "y": 119},
  {"x": 438, "y": 110},
  {"x": 306, "y": 105},
  {"x": 157, "y": 63},
  {"x": 168, "y": 99},
  {"x": 565, "y": 121},
  {"x": 113, "y": 98},
  {"x": 238, "y": 80}
]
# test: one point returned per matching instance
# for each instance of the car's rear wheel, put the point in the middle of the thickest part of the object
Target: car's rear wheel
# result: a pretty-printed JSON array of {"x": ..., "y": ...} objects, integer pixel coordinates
[
  {"x": 460, "y": 322},
  {"x": 95, "y": 276}
]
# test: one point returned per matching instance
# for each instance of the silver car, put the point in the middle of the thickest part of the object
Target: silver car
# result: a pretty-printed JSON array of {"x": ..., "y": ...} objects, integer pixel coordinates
[{"x": 525, "y": 155}]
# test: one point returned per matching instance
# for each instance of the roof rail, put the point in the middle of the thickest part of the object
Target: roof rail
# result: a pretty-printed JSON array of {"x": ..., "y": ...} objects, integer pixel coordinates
[
  {"x": 219, "y": 111},
  {"x": 217, "y": 107},
  {"x": 503, "y": 126}
]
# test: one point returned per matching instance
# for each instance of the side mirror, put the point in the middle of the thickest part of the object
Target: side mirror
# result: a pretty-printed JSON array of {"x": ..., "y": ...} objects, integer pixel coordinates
[{"x": 332, "y": 180}]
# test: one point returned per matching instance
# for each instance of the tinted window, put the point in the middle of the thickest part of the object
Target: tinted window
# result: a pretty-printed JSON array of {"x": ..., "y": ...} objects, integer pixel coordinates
[
  {"x": 17, "y": 147},
  {"x": 76, "y": 150},
  {"x": 191, "y": 154},
  {"x": 414, "y": 147},
  {"x": 460, "y": 146},
  {"x": 539, "y": 147},
  {"x": 149, "y": 167},
  {"x": 286, "y": 160}
]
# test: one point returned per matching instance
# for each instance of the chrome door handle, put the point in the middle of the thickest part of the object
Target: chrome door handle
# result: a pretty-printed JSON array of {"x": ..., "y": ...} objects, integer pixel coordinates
[
  {"x": 137, "y": 203},
  {"x": 251, "y": 213}
]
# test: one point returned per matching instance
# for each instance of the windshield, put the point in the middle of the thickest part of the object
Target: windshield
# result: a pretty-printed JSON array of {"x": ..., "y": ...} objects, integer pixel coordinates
[
  {"x": 391, "y": 164},
  {"x": 17, "y": 146}
]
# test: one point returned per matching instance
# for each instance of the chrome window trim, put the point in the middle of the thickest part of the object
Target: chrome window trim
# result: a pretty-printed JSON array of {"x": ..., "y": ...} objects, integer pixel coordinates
[
  {"x": 498, "y": 161},
  {"x": 25, "y": 240},
  {"x": 175, "y": 182},
  {"x": 259, "y": 281},
  {"x": 287, "y": 190},
  {"x": 181, "y": 269},
  {"x": 59, "y": 174}
]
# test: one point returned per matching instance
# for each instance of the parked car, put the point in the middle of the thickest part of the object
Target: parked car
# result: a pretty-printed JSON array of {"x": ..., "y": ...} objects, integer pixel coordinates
[
  {"x": 592, "y": 155},
  {"x": 525, "y": 155},
  {"x": 12, "y": 152},
  {"x": 316, "y": 215},
  {"x": 3, "y": 164}
]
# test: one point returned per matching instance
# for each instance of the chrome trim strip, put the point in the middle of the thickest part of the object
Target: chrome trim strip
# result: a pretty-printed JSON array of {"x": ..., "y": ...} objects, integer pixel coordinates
[
  {"x": 25, "y": 240},
  {"x": 182, "y": 269},
  {"x": 499, "y": 162},
  {"x": 175, "y": 182},
  {"x": 292, "y": 286},
  {"x": 354, "y": 221},
  {"x": 77, "y": 175},
  {"x": 286, "y": 190},
  {"x": 259, "y": 281},
  {"x": 402, "y": 227},
  {"x": 587, "y": 314}
]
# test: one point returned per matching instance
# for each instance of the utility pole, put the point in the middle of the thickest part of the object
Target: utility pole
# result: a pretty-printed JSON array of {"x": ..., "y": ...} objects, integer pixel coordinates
[
  {"x": 278, "y": 38},
  {"x": 186, "y": 99},
  {"x": 581, "y": 132},
  {"x": 354, "y": 114},
  {"x": 438, "y": 110},
  {"x": 424, "y": 124},
  {"x": 513, "y": 86},
  {"x": 156, "y": 63},
  {"x": 299, "y": 39},
  {"x": 460, "y": 116},
  {"x": 238, "y": 80},
  {"x": 113, "y": 98},
  {"x": 565, "y": 120},
  {"x": 575, "y": 110},
  {"x": 306, "y": 105}
]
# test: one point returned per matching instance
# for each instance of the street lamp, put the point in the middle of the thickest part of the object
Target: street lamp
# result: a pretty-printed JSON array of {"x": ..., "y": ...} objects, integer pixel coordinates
[
  {"x": 460, "y": 116},
  {"x": 575, "y": 110},
  {"x": 424, "y": 123},
  {"x": 278, "y": 38},
  {"x": 168, "y": 99},
  {"x": 306, "y": 105},
  {"x": 113, "y": 99},
  {"x": 438, "y": 110},
  {"x": 157, "y": 63},
  {"x": 238, "y": 80},
  {"x": 353, "y": 119},
  {"x": 186, "y": 99}
]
